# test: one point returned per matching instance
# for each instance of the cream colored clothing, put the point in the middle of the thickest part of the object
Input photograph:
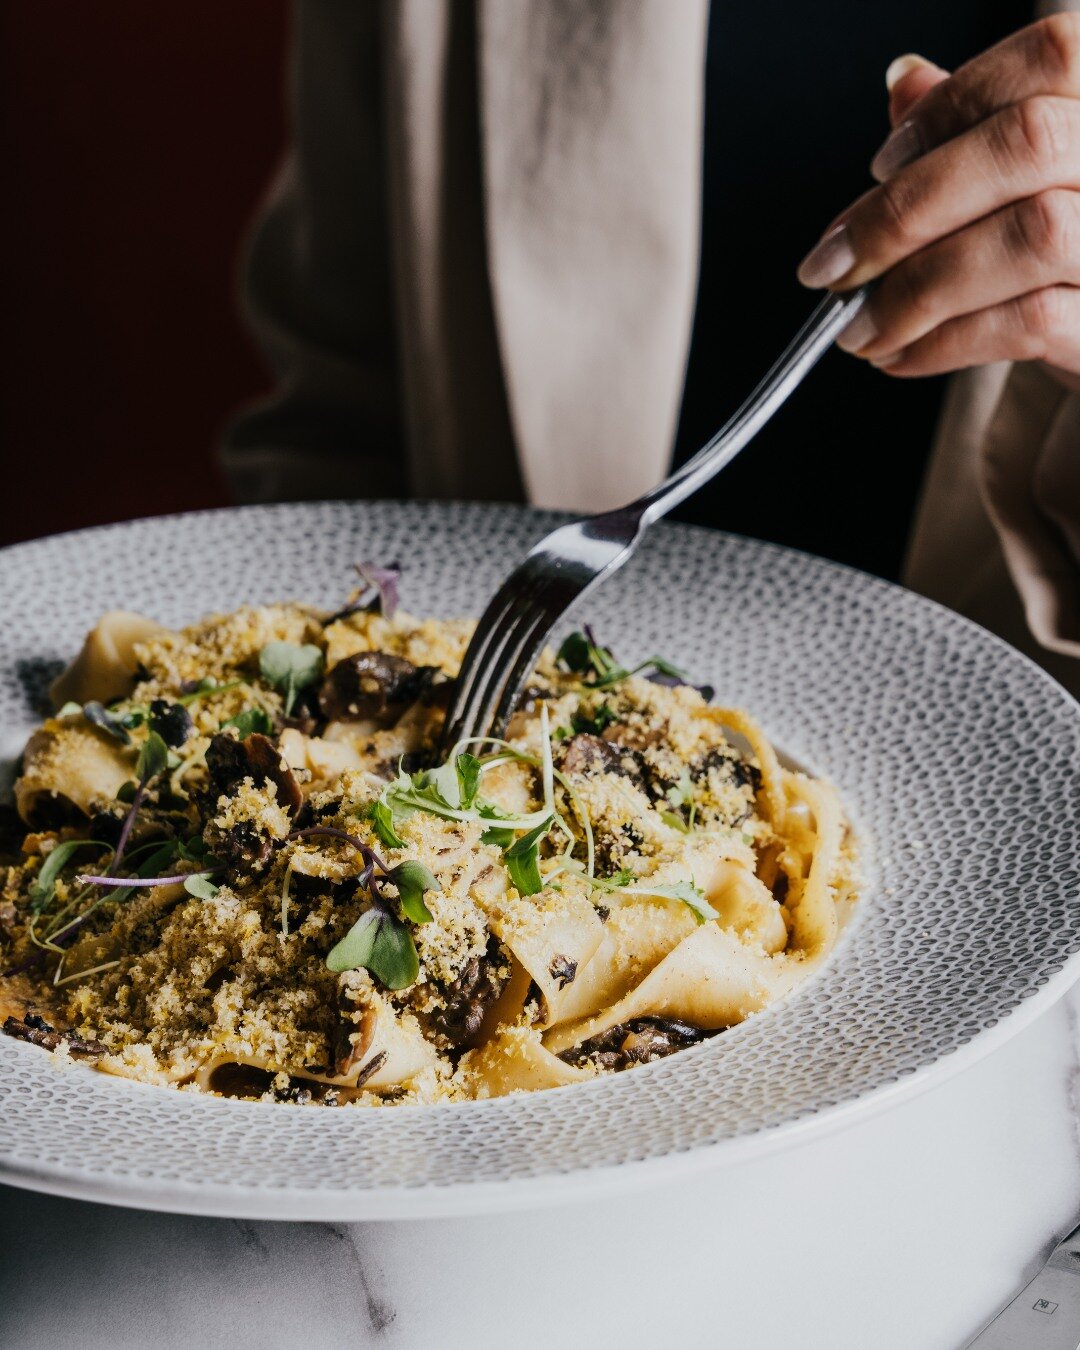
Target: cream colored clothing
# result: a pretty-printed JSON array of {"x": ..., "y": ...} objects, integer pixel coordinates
[{"x": 476, "y": 274}]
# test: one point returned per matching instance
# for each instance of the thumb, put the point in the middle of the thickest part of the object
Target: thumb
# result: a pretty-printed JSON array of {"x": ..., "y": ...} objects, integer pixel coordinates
[{"x": 907, "y": 79}]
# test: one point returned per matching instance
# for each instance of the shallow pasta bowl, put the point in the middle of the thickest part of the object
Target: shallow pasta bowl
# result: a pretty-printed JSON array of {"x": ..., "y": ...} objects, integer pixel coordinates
[{"x": 955, "y": 755}]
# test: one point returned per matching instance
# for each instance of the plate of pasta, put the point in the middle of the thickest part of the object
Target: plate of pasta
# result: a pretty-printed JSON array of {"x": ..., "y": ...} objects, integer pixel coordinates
[{"x": 767, "y": 844}]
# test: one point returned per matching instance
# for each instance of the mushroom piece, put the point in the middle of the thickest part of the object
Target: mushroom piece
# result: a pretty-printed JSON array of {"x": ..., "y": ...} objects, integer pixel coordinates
[
  {"x": 37, "y": 1031},
  {"x": 372, "y": 685},
  {"x": 636, "y": 1042},
  {"x": 470, "y": 997},
  {"x": 231, "y": 760},
  {"x": 353, "y": 1036},
  {"x": 588, "y": 754}
]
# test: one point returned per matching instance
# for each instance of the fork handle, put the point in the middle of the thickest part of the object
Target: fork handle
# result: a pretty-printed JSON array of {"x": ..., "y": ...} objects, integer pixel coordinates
[{"x": 808, "y": 346}]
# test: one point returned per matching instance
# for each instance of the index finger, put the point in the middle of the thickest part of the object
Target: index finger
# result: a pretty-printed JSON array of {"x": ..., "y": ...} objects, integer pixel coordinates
[{"x": 1043, "y": 58}]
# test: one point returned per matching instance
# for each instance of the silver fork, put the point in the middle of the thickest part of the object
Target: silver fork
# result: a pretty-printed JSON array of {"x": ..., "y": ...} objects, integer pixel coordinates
[{"x": 570, "y": 561}]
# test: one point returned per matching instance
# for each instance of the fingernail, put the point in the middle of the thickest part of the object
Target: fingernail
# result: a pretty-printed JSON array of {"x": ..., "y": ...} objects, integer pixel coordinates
[
  {"x": 903, "y": 65},
  {"x": 828, "y": 260},
  {"x": 859, "y": 333},
  {"x": 884, "y": 362},
  {"x": 902, "y": 146}
]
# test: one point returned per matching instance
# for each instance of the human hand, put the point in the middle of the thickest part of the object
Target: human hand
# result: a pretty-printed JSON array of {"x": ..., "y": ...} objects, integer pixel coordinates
[{"x": 974, "y": 229}]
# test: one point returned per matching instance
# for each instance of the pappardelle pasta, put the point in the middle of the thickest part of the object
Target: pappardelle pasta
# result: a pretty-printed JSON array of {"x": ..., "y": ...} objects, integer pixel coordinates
[{"x": 240, "y": 866}]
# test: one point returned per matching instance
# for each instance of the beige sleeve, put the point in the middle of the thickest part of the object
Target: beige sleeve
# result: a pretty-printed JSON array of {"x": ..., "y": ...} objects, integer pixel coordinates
[
  {"x": 317, "y": 293},
  {"x": 997, "y": 530},
  {"x": 1031, "y": 487}
]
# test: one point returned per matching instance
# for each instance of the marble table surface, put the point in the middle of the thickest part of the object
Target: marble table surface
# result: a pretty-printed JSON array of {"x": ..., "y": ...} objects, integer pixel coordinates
[{"x": 907, "y": 1231}]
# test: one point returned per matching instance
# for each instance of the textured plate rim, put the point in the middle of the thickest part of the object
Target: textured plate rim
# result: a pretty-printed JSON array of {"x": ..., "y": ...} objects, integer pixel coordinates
[{"x": 577, "y": 1183}]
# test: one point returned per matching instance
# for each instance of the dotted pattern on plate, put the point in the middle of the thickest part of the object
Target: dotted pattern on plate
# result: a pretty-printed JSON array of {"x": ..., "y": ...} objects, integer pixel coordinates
[{"x": 957, "y": 758}]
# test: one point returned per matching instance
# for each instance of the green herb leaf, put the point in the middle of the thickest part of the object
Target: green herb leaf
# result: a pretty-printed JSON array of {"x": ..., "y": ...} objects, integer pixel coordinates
[
  {"x": 251, "y": 719},
  {"x": 522, "y": 860},
  {"x": 682, "y": 794},
  {"x": 289, "y": 668},
  {"x": 126, "y": 791},
  {"x": 502, "y": 836},
  {"x": 43, "y": 887},
  {"x": 378, "y": 942},
  {"x": 663, "y": 667},
  {"x": 97, "y": 714},
  {"x": 499, "y": 836},
  {"x": 593, "y": 724},
  {"x": 442, "y": 785},
  {"x": 207, "y": 686},
  {"x": 617, "y": 882},
  {"x": 574, "y": 652},
  {"x": 382, "y": 822},
  {"x": 160, "y": 858},
  {"x": 412, "y": 880},
  {"x": 193, "y": 849},
  {"x": 468, "y": 774},
  {"x": 153, "y": 758},
  {"x": 685, "y": 891},
  {"x": 676, "y": 821},
  {"x": 200, "y": 886}
]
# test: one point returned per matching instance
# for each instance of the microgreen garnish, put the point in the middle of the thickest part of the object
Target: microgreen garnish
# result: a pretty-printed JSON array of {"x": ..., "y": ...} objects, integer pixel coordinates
[
  {"x": 379, "y": 590},
  {"x": 686, "y": 891},
  {"x": 153, "y": 760},
  {"x": 593, "y": 723},
  {"x": 44, "y": 885},
  {"x": 581, "y": 654},
  {"x": 522, "y": 859},
  {"x": 113, "y": 724},
  {"x": 452, "y": 792},
  {"x": 70, "y": 709},
  {"x": 378, "y": 942},
  {"x": 383, "y": 581},
  {"x": 682, "y": 794},
  {"x": 449, "y": 791},
  {"x": 200, "y": 886},
  {"x": 289, "y": 668},
  {"x": 413, "y": 880},
  {"x": 616, "y": 882},
  {"x": 141, "y": 883},
  {"x": 248, "y": 721},
  {"x": 382, "y": 822},
  {"x": 502, "y": 836},
  {"x": 193, "y": 690},
  {"x": 454, "y": 783}
]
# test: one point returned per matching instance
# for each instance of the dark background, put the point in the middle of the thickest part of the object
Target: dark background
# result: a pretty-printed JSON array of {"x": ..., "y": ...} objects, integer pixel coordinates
[
  {"x": 795, "y": 108},
  {"x": 138, "y": 139}
]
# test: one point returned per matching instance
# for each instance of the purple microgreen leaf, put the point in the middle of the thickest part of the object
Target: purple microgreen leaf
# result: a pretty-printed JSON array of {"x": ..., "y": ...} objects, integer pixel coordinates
[{"x": 384, "y": 582}]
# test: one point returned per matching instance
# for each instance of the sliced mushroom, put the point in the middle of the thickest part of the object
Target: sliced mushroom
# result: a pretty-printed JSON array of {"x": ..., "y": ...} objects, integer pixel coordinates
[
  {"x": 587, "y": 754},
  {"x": 637, "y": 1042},
  {"x": 37, "y": 1031},
  {"x": 372, "y": 685},
  {"x": 470, "y": 997},
  {"x": 244, "y": 849},
  {"x": 231, "y": 760}
]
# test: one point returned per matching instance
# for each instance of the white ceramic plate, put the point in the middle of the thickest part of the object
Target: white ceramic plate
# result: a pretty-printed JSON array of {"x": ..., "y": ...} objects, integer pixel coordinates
[{"x": 957, "y": 757}]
